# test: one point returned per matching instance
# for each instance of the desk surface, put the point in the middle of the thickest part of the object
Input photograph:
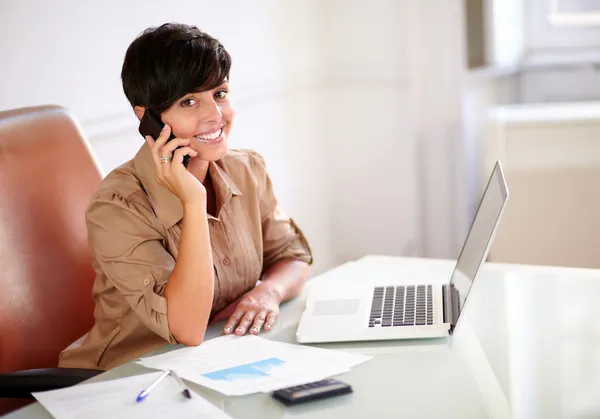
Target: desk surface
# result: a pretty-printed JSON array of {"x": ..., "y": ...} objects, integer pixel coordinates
[{"x": 528, "y": 346}]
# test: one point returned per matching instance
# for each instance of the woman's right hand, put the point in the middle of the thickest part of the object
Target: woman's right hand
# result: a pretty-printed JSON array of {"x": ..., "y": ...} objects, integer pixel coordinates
[{"x": 171, "y": 173}]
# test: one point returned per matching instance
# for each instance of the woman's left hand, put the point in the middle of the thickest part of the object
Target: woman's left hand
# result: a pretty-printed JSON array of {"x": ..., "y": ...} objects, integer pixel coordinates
[{"x": 257, "y": 308}]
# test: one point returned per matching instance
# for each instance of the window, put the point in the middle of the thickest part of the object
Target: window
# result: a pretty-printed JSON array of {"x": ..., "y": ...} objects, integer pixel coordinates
[
  {"x": 562, "y": 25},
  {"x": 574, "y": 12}
]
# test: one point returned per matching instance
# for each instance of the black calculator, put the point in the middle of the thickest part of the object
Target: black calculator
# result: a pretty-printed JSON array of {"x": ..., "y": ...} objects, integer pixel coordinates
[{"x": 312, "y": 391}]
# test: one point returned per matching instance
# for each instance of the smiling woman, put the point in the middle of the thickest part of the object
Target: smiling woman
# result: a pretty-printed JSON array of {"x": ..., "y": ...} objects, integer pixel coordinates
[
  {"x": 204, "y": 117},
  {"x": 174, "y": 248}
]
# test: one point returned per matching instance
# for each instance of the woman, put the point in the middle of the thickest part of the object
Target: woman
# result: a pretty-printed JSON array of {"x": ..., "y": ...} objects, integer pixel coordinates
[{"x": 173, "y": 247}]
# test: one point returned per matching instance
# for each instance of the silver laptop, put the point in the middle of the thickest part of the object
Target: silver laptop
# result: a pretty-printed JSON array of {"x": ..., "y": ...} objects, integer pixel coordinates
[{"x": 387, "y": 311}]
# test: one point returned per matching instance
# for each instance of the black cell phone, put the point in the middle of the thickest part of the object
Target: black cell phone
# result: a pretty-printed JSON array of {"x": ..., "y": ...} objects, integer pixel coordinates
[
  {"x": 152, "y": 125},
  {"x": 311, "y": 391}
]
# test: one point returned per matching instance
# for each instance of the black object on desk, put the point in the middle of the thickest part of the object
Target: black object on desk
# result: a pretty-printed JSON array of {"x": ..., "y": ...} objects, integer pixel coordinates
[{"x": 312, "y": 391}]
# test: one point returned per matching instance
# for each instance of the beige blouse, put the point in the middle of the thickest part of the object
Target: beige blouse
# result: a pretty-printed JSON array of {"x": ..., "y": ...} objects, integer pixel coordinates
[{"x": 134, "y": 228}]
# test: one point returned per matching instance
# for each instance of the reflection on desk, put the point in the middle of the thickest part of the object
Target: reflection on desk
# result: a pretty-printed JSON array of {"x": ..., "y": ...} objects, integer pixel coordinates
[{"x": 529, "y": 347}]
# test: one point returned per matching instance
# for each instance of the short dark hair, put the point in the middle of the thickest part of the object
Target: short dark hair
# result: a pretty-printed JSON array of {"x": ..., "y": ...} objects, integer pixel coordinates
[{"x": 167, "y": 62}]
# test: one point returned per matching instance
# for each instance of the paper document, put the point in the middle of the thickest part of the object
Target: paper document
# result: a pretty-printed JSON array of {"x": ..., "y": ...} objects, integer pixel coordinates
[
  {"x": 116, "y": 399},
  {"x": 239, "y": 365}
]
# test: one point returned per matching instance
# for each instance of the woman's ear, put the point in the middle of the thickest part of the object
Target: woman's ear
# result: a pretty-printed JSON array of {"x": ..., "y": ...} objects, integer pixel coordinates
[{"x": 139, "y": 111}]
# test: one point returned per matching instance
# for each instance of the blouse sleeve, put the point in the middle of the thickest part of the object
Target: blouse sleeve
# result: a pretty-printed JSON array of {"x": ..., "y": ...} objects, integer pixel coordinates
[{"x": 282, "y": 238}]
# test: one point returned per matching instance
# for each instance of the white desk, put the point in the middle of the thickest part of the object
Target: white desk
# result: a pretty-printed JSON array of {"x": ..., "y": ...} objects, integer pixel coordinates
[{"x": 529, "y": 347}]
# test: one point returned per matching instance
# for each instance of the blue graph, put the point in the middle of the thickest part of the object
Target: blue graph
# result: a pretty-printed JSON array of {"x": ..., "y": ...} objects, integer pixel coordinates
[{"x": 252, "y": 370}]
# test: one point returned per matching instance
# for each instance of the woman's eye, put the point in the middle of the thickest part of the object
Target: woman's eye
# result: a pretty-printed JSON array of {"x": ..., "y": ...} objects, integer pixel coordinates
[
  {"x": 221, "y": 94},
  {"x": 188, "y": 102}
]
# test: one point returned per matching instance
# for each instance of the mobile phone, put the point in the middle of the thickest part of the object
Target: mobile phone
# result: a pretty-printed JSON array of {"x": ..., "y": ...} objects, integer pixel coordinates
[
  {"x": 312, "y": 391},
  {"x": 152, "y": 125}
]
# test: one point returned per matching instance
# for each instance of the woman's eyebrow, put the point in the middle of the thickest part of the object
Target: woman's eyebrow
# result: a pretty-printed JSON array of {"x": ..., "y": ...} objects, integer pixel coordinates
[{"x": 203, "y": 89}]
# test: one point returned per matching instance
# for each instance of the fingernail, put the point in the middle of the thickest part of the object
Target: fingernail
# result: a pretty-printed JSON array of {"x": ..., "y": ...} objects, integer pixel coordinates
[
  {"x": 268, "y": 326},
  {"x": 148, "y": 138},
  {"x": 255, "y": 329},
  {"x": 240, "y": 329},
  {"x": 165, "y": 127},
  {"x": 228, "y": 330}
]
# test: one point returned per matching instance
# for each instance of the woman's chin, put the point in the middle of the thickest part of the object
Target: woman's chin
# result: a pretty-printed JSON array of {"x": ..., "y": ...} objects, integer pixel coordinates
[{"x": 211, "y": 152}]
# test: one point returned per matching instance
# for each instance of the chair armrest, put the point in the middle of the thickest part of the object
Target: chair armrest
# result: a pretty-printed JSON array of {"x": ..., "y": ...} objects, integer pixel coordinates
[{"x": 21, "y": 384}]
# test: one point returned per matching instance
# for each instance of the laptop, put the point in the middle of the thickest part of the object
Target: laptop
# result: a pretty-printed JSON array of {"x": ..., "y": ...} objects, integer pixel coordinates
[{"x": 387, "y": 311}]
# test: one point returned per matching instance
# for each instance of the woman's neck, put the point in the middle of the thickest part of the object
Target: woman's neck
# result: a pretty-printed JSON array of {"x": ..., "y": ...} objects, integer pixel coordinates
[{"x": 199, "y": 168}]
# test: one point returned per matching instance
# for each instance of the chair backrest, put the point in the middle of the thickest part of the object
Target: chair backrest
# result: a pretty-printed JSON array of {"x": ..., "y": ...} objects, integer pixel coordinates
[{"x": 47, "y": 178}]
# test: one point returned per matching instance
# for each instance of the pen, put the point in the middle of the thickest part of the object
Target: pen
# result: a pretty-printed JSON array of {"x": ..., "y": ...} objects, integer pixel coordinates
[
  {"x": 185, "y": 391},
  {"x": 144, "y": 393}
]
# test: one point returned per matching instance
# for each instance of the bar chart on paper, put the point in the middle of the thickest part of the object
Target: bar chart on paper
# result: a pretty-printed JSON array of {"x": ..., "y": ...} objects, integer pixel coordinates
[
  {"x": 236, "y": 366},
  {"x": 252, "y": 370}
]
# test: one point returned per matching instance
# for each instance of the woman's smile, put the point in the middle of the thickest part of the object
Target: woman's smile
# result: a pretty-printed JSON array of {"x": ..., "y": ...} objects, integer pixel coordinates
[{"x": 211, "y": 137}]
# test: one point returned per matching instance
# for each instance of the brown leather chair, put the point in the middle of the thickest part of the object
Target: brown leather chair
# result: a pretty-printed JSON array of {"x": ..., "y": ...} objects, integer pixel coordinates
[{"x": 47, "y": 178}]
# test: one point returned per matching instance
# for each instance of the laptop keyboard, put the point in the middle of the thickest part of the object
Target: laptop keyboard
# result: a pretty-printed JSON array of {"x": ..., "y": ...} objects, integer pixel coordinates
[{"x": 410, "y": 305}]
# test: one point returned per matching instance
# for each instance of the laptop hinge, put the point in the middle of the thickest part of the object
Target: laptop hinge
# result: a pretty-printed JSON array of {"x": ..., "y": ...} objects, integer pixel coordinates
[{"x": 451, "y": 305}]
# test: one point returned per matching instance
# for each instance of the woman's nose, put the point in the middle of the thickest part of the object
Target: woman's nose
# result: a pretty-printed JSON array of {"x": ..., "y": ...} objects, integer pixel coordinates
[{"x": 211, "y": 112}]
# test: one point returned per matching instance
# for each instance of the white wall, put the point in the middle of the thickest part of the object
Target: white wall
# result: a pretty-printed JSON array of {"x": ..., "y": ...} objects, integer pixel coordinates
[
  {"x": 355, "y": 105},
  {"x": 551, "y": 157},
  {"x": 370, "y": 129},
  {"x": 395, "y": 73}
]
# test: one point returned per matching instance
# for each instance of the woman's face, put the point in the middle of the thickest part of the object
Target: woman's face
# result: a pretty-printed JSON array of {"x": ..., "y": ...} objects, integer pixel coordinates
[{"x": 205, "y": 118}]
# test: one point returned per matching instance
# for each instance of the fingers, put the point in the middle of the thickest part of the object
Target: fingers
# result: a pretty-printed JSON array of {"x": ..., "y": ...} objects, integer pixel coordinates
[
  {"x": 168, "y": 149},
  {"x": 259, "y": 320},
  {"x": 251, "y": 318},
  {"x": 271, "y": 319},
  {"x": 165, "y": 152},
  {"x": 245, "y": 323},
  {"x": 234, "y": 319},
  {"x": 165, "y": 133},
  {"x": 156, "y": 143},
  {"x": 181, "y": 152},
  {"x": 161, "y": 148},
  {"x": 175, "y": 159},
  {"x": 170, "y": 162},
  {"x": 150, "y": 141}
]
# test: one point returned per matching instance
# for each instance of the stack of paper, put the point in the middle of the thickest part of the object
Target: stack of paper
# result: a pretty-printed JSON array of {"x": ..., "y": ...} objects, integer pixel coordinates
[
  {"x": 236, "y": 366},
  {"x": 116, "y": 399}
]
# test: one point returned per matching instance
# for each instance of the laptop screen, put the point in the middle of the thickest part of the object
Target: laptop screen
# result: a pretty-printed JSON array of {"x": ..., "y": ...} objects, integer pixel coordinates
[{"x": 478, "y": 241}]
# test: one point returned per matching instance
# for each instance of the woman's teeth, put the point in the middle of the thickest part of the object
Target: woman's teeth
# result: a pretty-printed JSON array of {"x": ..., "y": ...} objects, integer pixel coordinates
[{"x": 210, "y": 137}]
